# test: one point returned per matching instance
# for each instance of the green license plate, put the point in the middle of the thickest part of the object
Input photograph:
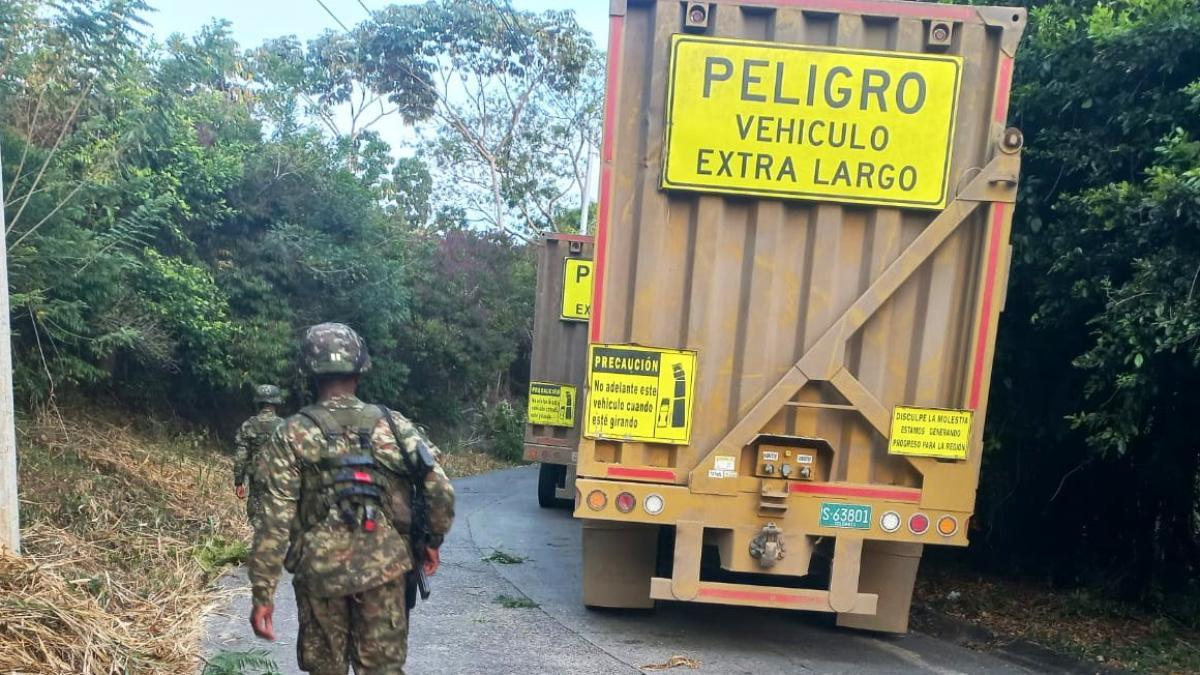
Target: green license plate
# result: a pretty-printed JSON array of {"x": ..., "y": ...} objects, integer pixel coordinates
[{"x": 853, "y": 516}]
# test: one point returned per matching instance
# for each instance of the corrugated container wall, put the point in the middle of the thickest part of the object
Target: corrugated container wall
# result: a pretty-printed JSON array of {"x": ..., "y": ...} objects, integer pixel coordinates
[{"x": 809, "y": 319}]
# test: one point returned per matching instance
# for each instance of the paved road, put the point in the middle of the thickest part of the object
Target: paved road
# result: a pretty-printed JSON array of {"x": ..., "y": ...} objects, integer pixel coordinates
[{"x": 462, "y": 630}]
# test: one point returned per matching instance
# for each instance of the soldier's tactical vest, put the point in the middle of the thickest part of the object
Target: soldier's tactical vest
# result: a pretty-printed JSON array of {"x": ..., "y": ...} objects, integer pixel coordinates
[{"x": 354, "y": 512}]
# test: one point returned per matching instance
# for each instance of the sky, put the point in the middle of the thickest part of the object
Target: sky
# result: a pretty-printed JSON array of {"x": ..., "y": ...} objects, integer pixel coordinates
[{"x": 256, "y": 20}]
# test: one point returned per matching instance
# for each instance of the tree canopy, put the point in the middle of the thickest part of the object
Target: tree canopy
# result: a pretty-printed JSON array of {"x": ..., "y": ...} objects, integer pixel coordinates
[{"x": 178, "y": 212}]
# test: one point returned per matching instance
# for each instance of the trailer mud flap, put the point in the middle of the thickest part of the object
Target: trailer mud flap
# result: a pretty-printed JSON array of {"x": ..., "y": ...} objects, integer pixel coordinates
[
  {"x": 889, "y": 569},
  {"x": 618, "y": 561}
]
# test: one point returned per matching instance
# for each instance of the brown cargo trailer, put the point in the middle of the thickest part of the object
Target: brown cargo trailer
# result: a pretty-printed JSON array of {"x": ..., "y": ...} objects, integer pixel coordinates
[
  {"x": 562, "y": 306},
  {"x": 802, "y": 253}
]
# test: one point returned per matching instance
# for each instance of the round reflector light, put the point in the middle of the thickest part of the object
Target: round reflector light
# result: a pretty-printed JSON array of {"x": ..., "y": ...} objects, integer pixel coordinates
[
  {"x": 597, "y": 500},
  {"x": 626, "y": 502},
  {"x": 918, "y": 523},
  {"x": 947, "y": 526},
  {"x": 654, "y": 504},
  {"x": 890, "y": 521}
]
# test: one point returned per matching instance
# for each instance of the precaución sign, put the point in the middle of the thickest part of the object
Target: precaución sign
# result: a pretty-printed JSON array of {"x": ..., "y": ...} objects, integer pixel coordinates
[
  {"x": 802, "y": 122},
  {"x": 930, "y": 432},
  {"x": 640, "y": 394},
  {"x": 577, "y": 290},
  {"x": 551, "y": 404}
]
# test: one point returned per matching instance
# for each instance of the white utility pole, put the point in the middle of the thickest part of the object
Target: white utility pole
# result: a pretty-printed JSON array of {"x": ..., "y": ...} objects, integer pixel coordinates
[
  {"x": 586, "y": 199},
  {"x": 10, "y": 528}
]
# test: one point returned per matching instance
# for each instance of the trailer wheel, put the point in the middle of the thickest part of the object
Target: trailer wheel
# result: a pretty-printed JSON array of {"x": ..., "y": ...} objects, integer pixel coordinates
[{"x": 550, "y": 478}]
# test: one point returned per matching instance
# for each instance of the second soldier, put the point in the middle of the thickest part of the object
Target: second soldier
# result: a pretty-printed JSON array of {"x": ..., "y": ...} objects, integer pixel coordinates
[{"x": 251, "y": 438}]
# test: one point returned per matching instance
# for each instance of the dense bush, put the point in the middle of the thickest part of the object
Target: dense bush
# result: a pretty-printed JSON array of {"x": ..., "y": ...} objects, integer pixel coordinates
[{"x": 1091, "y": 473}]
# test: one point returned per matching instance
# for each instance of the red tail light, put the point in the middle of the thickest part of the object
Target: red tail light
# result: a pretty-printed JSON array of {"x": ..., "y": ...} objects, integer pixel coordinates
[
  {"x": 918, "y": 523},
  {"x": 626, "y": 502}
]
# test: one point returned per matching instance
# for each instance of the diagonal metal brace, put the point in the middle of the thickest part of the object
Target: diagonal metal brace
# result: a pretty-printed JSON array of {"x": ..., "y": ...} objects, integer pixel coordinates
[{"x": 826, "y": 357}]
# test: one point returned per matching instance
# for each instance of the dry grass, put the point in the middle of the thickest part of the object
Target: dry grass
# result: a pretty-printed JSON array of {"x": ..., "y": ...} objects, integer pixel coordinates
[
  {"x": 122, "y": 528},
  {"x": 118, "y": 528},
  {"x": 1101, "y": 631},
  {"x": 463, "y": 463}
]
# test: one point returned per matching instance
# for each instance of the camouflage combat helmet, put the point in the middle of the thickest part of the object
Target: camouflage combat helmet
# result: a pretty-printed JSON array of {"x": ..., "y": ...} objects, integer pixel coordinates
[
  {"x": 333, "y": 349},
  {"x": 268, "y": 393}
]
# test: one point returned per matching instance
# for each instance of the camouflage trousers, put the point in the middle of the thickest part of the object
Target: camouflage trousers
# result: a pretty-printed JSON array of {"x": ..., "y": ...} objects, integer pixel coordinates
[{"x": 368, "y": 630}]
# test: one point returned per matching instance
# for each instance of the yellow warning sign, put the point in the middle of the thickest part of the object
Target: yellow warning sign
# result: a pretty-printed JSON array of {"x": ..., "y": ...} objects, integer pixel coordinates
[
  {"x": 930, "y": 432},
  {"x": 577, "y": 290},
  {"x": 804, "y": 122},
  {"x": 640, "y": 394},
  {"x": 551, "y": 404}
]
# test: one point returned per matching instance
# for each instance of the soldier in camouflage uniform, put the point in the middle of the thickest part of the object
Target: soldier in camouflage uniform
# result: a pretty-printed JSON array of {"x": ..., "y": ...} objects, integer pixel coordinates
[
  {"x": 248, "y": 444},
  {"x": 338, "y": 511}
]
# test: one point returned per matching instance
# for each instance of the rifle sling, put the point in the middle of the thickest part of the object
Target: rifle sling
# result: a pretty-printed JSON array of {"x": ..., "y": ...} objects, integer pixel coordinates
[{"x": 417, "y": 478}]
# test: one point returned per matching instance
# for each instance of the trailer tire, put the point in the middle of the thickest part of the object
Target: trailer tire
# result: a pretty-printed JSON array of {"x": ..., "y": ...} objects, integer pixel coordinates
[{"x": 550, "y": 478}]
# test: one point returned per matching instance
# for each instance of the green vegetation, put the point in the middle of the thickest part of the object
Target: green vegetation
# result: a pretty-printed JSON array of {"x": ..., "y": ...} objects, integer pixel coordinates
[
  {"x": 504, "y": 558},
  {"x": 217, "y": 552},
  {"x": 504, "y": 425},
  {"x": 512, "y": 602},
  {"x": 177, "y": 213},
  {"x": 1090, "y": 477},
  {"x": 253, "y": 662}
]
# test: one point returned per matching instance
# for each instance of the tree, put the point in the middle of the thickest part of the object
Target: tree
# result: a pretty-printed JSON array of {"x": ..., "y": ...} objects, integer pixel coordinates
[
  {"x": 510, "y": 117},
  {"x": 180, "y": 216},
  {"x": 338, "y": 81},
  {"x": 1098, "y": 355}
]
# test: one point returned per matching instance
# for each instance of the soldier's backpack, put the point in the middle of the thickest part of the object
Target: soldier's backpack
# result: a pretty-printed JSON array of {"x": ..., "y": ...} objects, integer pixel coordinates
[{"x": 355, "y": 513}]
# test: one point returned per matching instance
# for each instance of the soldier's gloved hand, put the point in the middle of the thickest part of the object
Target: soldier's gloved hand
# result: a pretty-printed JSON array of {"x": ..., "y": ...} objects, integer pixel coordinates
[
  {"x": 240, "y": 491},
  {"x": 263, "y": 622},
  {"x": 433, "y": 560}
]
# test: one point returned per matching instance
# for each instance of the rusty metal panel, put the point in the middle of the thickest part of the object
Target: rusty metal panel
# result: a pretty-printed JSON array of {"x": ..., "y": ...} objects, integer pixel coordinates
[
  {"x": 810, "y": 319},
  {"x": 559, "y": 353}
]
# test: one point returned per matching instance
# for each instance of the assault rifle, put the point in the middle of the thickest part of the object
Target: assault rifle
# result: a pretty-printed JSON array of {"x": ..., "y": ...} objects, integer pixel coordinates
[
  {"x": 419, "y": 535},
  {"x": 417, "y": 582}
]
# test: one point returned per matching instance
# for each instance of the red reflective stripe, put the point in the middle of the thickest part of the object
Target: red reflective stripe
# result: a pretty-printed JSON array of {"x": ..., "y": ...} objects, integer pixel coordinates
[
  {"x": 616, "y": 33},
  {"x": 985, "y": 312},
  {"x": 760, "y": 596},
  {"x": 919, "y": 9},
  {"x": 630, "y": 472},
  {"x": 600, "y": 252},
  {"x": 912, "y": 495},
  {"x": 362, "y": 477},
  {"x": 1003, "y": 86}
]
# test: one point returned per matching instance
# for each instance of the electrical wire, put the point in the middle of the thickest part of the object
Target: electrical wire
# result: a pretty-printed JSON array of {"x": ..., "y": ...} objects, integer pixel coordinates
[{"x": 332, "y": 15}]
